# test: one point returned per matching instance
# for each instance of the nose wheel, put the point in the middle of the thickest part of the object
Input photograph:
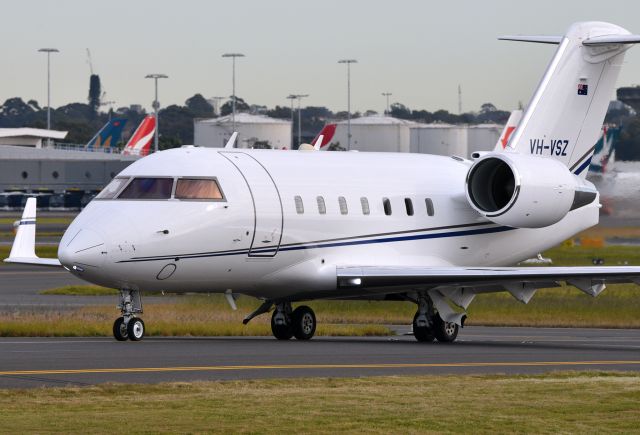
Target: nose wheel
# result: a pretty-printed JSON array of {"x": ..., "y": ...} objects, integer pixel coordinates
[{"x": 129, "y": 326}]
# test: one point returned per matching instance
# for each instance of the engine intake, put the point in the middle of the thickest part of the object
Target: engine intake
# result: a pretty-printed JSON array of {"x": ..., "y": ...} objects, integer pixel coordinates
[{"x": 523, "y": 191}]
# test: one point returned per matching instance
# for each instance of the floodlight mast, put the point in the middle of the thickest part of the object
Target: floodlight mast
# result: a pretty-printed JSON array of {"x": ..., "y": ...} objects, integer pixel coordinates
[
  {"x": 348, "y": 62},
  {"x": 233, "y": 82},
  {"x": 48, "y": 51},
  {"x": 298, "y": 97},
  {"x": 156, "y": 106},
  {"x": 387, "y": 94}
]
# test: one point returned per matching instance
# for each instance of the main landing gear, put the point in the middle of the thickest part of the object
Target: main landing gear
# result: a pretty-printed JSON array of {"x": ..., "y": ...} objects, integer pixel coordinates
[
  {"x": 129, "y": 326},
  {"x": 299, "y": 323},
  {"x": 428, "y": 325}
]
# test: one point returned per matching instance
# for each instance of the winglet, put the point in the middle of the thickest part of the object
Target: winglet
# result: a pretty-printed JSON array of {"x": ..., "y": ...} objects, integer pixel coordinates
[
  {"x": 232, "y": 140},
  {"x": 24, "y": 246},
  {"x": 318, "y": 143}
]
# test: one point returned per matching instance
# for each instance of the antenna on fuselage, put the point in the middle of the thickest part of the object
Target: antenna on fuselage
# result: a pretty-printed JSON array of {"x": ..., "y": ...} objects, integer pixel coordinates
[{"x": 232, "y": 140}]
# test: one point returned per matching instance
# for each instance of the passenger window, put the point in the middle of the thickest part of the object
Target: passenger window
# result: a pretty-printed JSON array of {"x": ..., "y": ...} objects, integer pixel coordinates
[
  {"x": 343, "y": 205},
  {"x": 408, "y": 204},
  {"x": 365, "y": 205},
  {"x": 299, "y": 204},
  {"x": 112, "y": 188},
  {"x": 195, "y": 188},
  {"x": 148, "y": 188},
  {"x": 322, "y": 208},
  {"x": 429, "y": 205},
  {"x": 387, "y": 206}
]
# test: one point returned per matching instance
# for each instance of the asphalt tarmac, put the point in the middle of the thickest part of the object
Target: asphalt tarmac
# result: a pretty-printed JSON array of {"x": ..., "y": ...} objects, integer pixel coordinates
[{"x": 36, "y": 362}]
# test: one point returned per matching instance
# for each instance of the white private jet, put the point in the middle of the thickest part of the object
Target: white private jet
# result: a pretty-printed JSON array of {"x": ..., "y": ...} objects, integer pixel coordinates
[{"x": 292, "y": 226}]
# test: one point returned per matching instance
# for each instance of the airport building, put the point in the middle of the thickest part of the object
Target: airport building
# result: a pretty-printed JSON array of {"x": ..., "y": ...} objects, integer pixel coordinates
[
  {"x": 68, "y": 175},
  {"x": 253, "y": 131},
  {"x": 375, "y": 133}
]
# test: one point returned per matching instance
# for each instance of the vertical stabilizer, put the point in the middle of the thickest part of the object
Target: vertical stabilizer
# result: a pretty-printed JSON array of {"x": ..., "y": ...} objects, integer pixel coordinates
[{"x": 565, "y": 115}]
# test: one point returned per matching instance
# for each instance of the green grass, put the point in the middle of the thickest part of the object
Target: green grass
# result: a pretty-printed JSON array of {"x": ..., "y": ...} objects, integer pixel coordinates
[
  {"x": 572, "y": 402},
  {"x": 41, "y": 220},
  {"x": 45, "y": 251},
  {"x": 81, "y": 290},
  {"x": 11, "y": 234}
]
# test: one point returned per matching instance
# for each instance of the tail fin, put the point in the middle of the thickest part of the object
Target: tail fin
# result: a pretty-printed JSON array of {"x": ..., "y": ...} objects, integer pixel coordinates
[
  {"x": 109, "y": 135},
  {"x": 326, "y": 134},
  {"x": 565, "y": 115},
  {"x": 605, "y": 150},
  {"x": 140, "y": 142},
  {"x": 23, "y": 250},
  {"x": 508, "y": 130}
]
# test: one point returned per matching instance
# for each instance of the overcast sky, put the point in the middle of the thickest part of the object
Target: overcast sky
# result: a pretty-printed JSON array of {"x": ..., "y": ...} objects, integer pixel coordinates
[{"x": 418, "y": 50}]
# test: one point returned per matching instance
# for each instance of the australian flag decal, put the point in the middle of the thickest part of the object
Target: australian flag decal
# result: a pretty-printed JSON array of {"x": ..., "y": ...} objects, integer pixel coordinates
[{"x": 583, "y": 89}]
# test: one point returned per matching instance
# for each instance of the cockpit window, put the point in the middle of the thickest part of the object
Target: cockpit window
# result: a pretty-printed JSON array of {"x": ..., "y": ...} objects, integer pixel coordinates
[
  {"x": 112, "y": 188},
  {"x": 148, "y": 188},
  {"x": 193, "y": 188}
]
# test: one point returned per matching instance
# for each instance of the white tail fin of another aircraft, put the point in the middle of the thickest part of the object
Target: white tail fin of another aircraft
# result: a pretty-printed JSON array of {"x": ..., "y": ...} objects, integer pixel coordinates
[
  {"x": 24, "y": 245},
  {"x": 565, "y": 115}
]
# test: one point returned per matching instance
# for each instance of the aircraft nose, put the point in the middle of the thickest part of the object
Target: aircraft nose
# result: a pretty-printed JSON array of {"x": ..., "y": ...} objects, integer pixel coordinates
[{"x": 81, "y": 249}]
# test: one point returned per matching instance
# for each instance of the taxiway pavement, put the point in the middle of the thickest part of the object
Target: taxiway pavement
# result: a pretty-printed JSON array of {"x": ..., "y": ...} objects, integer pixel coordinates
[{"x": 34, "y": 362}]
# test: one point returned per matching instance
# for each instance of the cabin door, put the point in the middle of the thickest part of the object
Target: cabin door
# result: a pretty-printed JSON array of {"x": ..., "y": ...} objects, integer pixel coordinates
[{"x": 267, "y": 204}]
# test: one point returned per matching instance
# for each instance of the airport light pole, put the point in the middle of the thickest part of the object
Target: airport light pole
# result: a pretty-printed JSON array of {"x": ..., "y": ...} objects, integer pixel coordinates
[
  {"x": 299, "y": 97},
  {"x": 348, "y": 62},
  {"x": 291, "y": 97},
  {"x": 387, "y": 94},
  {"x": 49, "y": 51},
  {"x": 216, "y": 104},
  {"x": 156, "y": 106},
  {"x": 233, "y": 80}
]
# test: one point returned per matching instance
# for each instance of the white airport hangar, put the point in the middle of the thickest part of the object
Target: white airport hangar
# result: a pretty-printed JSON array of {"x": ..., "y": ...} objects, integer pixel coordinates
[
  {"x": 375, "y": 133},
  {"x": 454, "y": 140},
  {"x": 215, "y": 132}
]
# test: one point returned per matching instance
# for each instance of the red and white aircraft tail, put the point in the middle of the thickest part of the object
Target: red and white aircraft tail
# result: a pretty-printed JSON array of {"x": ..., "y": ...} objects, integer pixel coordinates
[
  {"x": 509, "y": 128},
  {"x": 140, "y": 142},
  {"x": 327, "y": 133}
]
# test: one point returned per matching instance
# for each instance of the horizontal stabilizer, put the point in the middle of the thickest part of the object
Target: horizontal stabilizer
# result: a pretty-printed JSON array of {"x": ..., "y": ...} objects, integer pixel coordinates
[
  {"x": 612, "y": 39},
  {"x": 540, "y": 39}
]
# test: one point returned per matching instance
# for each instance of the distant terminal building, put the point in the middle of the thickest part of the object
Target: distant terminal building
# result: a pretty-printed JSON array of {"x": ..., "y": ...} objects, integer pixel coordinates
[
  {"x": 253, "y": 131},
  {"x": 375, "y": 133},
  {"x": 31, "y": 163}
]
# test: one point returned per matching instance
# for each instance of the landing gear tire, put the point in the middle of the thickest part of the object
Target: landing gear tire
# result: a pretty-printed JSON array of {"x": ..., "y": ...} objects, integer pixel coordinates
[
  {"x": 120, "y": 330},
  {"x": 135, "y": 329},
  {"x": 421, "y": 333},
  {"x": 445, "y": 332},
  {"x": 303, "y": 322},
  {"x": 281, "y": 332}
]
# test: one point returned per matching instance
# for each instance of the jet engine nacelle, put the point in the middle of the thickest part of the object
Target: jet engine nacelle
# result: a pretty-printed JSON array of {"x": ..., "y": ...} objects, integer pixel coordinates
[{"x": 524, "y": 191}]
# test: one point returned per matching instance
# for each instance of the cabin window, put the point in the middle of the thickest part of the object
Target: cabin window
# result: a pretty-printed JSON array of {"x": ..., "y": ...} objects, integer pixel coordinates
[
  {"x": 148, "y": 188},
  {"x": 408, "y": 204},
  {"x": 387, "y": 206},
  {"x": 197, "y": 188},
  {"x": 342, "y": 202},
  {"x": 322, "y": 208},
  {"x": 299, "y": 204},
  {"x": 429, "y": 205},
  {"x": 364, "y": 202},
  {"x": 112, "y": 188}
]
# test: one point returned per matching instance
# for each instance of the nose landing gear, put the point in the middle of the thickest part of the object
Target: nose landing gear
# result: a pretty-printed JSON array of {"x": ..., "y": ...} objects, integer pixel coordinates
[{"x": 129, "y": 326}]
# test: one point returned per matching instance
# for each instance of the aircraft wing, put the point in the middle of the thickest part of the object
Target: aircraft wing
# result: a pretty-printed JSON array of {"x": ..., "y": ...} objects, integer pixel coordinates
[
  {"x": 589, "y": 278},
  {"x": 460, "y": 285}
]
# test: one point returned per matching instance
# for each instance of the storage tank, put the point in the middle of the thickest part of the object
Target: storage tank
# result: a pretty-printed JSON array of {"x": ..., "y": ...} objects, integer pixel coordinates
[
  {"x": 441, "y": 139},
  {"x": 253, "y": 131},
  {"x": 482, "y": 137},
  {"x": 375, "y": 133}
]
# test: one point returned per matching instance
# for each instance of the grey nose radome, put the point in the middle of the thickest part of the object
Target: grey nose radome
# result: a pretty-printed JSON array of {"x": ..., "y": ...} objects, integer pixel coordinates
[{"x": 84, "y": 249}]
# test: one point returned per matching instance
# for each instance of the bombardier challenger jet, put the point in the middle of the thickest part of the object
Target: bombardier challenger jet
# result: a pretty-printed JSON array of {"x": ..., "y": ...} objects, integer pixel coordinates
[{"x": 292, "y": 226}]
